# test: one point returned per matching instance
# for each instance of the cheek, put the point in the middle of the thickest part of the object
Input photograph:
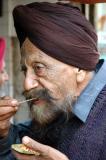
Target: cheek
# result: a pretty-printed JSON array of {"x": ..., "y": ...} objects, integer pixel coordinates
[
  {"x": 67, "y": 84},
  {"x": 62, "y": 87},
  {"x": 70, "y": 83},
  {"x": 60, "y": 84}
]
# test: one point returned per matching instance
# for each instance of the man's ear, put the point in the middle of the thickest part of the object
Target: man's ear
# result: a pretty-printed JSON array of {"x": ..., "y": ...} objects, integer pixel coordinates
[{"x": 80, "y": 76}]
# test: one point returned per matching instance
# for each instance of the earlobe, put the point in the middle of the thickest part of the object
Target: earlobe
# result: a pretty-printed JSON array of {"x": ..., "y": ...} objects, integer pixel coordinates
[{"x": 80, "y": 75}]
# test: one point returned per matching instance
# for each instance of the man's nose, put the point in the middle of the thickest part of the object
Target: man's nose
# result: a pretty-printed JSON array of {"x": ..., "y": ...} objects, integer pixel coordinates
[{"x": 30, "y": 83}]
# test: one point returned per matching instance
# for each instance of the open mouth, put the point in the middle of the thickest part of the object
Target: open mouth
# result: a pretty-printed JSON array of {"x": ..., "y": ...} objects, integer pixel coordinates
[{"x": 38, "y": 101}]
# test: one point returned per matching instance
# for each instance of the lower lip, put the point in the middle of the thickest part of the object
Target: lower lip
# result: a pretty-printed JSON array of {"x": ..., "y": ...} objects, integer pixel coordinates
[{"x": 38, "y": 102}]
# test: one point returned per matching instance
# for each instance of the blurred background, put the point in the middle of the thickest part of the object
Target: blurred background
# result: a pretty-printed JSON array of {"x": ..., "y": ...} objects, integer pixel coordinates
[{"x": 96, "y": 13}]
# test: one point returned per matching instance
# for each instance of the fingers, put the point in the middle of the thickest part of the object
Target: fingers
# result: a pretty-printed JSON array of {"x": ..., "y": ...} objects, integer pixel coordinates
[
  {"x": 34, "y": 145},
  {"x": 7, "y": 116},
  {"x": 6, "y": 110},
  {"x": 8, "y": 102},
  {"x": 44, "y": 149},
  {"x": 28, "y": 157},
  {"x": 8, "y": 107},
  {"x": 6, "y": 97},
  {"x": 23, "y": 156}
]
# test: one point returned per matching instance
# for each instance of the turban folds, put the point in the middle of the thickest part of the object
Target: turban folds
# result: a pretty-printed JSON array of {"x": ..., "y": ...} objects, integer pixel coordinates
[{"x": 59, "y": 30}]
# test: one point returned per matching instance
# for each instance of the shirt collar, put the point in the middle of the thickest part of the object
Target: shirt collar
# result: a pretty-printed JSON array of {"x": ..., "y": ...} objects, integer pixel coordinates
[{"x": 85, "y": 101}]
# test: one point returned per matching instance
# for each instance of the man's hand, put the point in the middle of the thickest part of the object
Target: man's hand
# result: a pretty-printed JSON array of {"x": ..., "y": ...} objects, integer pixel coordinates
[
  {"x": 8, "y": 108},
  {"x": 47, "y": 152}
]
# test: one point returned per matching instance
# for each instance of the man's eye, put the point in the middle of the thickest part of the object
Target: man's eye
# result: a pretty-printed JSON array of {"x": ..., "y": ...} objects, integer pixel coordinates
[{"x": 39, "y": 69}]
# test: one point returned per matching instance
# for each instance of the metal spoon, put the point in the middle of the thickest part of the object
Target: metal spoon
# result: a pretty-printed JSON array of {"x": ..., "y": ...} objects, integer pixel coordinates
[{"x": 26, "y": 100}]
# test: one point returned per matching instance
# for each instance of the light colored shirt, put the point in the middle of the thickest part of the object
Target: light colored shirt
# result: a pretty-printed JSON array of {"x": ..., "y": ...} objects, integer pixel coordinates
[{"x": 85, "y": 101}]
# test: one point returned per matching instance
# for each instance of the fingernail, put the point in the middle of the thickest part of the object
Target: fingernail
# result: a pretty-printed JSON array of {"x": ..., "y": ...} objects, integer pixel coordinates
[
  {"x": 25, "y": 139},
  {"x": 14, "y": 102},
  {"x": 16, "y": 108}
]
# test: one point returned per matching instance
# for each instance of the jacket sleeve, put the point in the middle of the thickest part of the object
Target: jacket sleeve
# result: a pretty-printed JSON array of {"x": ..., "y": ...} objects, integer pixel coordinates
[
  {"x": 15, "y": 135},
  {"x": 5, "y": 143}
]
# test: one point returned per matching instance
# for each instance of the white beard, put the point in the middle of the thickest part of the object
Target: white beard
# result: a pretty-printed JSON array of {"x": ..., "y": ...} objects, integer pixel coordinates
[{"x": 48, "y": 112}]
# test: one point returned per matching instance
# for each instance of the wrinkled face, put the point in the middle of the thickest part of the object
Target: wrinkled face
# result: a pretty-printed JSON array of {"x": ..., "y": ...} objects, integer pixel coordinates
[
  {"x": 3, "y": 75},
  {"x": 50, "y": 81}
]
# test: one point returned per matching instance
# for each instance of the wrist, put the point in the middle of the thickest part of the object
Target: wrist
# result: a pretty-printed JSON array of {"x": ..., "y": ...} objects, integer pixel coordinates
[{"x": 4, "y": 134}]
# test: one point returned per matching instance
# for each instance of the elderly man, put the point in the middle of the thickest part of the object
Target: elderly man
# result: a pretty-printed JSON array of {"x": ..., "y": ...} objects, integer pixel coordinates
[{"x": 63, "y": 74}]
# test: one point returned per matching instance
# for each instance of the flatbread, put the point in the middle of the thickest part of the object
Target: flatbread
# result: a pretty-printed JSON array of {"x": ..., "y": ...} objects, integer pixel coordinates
[{"x": 21, "y": 148}]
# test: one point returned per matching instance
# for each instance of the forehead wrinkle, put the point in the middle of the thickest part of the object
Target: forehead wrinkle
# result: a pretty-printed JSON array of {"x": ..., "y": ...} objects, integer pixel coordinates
[{"x": 31, "y": 55}]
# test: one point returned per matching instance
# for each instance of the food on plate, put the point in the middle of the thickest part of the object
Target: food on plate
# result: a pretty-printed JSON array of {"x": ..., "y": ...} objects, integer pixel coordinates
[{"x": 21, "y": 148}]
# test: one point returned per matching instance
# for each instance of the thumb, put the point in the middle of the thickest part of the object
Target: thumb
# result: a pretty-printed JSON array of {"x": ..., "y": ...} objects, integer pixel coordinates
[
  {"x": 35, "y": 145},
  {"x": 44, "y": 149}
]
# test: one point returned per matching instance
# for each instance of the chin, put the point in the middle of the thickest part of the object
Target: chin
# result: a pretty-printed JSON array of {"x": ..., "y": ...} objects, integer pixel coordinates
[{"x": 44, "y": 115}]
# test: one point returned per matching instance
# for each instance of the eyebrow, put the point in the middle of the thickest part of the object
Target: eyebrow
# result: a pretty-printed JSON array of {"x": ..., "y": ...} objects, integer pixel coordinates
[{"x": 39, "y": 58}]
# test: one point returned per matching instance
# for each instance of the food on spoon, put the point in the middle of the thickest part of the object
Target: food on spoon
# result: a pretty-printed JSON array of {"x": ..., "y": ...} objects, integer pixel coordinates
[{"x": 21, "y": 148}]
